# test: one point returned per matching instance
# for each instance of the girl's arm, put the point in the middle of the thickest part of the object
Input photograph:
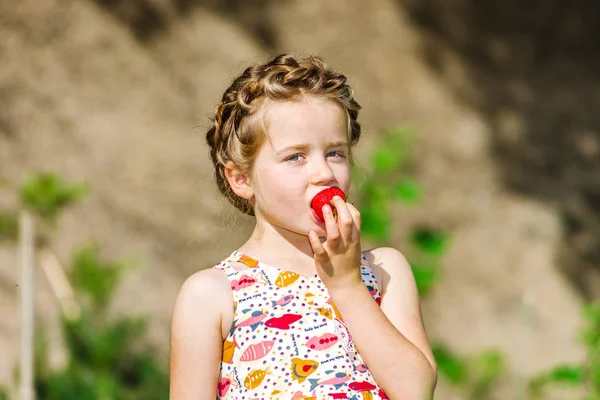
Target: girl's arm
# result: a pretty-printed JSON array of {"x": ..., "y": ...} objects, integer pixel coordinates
[
  {"x": 391, "y": 338},
  {"x": 196, "y": 335}
]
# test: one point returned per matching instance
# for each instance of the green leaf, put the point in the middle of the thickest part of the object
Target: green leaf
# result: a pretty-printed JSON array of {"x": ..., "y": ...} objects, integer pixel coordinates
[
  {"x": 47, "y": 194},
  {"x": 376, "y": 193},
  {"x": 569, "y": 374},
  {"x": 591, "y": 334},
  {"x": 490, "y": 364},
  {"x": 392, "y": 152},
  {"x": 430, "y": 241},
  {"x": 426, "y": 276},
  {"x": 408, "y": 191},
  {"x": 486, "y": 369},
  {"x": 591, "y": 312},
  {"x": 375, "y": 223},
  {"x": 572, "y": 375},
  {"x": 93, "y": 276},
  {"x": 450, "y": 366},
  {"x": 385, "y": 160},
  {"x": 594, "y": 375}
]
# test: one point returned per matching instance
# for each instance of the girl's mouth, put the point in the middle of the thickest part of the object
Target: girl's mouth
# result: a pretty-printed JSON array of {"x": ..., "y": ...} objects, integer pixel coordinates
[{"x": 316, "y": 217}]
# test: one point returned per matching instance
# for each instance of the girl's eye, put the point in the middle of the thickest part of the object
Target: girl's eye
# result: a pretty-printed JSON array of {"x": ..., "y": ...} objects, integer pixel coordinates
[
  {"x": 294, "y": 158},
  {"x": 339, "y": 153}
]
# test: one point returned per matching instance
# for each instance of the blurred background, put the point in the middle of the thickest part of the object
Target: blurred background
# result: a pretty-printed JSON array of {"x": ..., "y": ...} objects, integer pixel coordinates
[{"x": 479, "y": 160}]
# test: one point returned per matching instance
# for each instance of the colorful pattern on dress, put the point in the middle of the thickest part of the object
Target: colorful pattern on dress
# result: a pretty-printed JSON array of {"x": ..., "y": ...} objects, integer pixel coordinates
[{"x": 288, "y": 340}]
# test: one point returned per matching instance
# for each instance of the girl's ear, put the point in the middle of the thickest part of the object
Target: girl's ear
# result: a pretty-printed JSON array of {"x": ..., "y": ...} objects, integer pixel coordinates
[{"x": 240, "y": 184}]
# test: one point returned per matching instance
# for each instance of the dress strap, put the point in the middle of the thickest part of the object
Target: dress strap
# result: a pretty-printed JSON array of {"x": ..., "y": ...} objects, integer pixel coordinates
[
  {"x": 236, "y": 256},
  {"x": 369, "y": 279},
  {"x": 226, "y": 266},
  {"x": 227, "y": 269},
  {"x": 364, "y": 259}
]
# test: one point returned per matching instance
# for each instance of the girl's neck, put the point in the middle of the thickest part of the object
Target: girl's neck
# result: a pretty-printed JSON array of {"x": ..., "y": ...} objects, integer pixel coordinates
[{"x": 280, "y": 247}]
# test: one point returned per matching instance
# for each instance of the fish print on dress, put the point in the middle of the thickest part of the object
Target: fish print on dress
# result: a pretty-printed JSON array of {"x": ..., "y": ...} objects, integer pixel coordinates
[{"x": 288, "y": 340}]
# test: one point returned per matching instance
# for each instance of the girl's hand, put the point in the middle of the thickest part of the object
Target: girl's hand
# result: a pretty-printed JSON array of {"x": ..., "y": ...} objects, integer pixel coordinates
[{"x": 338, "y": 258}]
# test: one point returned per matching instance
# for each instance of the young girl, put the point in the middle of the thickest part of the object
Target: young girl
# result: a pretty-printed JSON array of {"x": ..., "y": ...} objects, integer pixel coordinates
[{"x": 298, "y": 311}]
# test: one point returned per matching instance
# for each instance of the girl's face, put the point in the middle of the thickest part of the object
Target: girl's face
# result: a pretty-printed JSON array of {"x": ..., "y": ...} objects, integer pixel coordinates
[{"x": 306, "y": 151}]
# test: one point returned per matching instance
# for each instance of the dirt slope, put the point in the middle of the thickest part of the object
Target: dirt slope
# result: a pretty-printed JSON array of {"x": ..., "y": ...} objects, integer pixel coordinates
[{"x": 94, "y": 94}]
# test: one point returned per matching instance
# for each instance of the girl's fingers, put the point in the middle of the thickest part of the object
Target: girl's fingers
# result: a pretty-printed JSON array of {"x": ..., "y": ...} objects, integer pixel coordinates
[
  {"x": 316, "y": 245},
  {"x": 333, "y": 233},
  {"x": 356, "y": 217},
  {"x": 355, "y": 214},
  {"x": 345, "y": 220}
]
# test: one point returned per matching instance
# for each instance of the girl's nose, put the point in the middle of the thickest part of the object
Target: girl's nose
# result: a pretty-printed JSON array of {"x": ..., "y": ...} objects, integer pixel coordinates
[{"x": 322, "y": 174}]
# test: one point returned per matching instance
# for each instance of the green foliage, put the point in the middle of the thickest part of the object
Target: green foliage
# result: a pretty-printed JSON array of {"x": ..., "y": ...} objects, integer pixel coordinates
[
  {"x": 450, "y": 365},
  {"x": 395, "y": 151},
  {"x": 107, "y": 360},
  {"x": 408, "y": 191},
  {"x": 95, "y": 278},
  {"x": 44, "y": 194},
  {"x": 47, "y": 194},
  {"x": 586, "y": 375},
  {"x": 386, "y": 182},
  {"x": 474, "y": 377},
  {"x": 426, "y": 276},
  {"x": 432, "y": 242},
  {"x": 572, "y": 375},
  {"x": 486, "y": 371},
  {"x": 590, "y": 335},
  {"x": 431, "y": 245}
]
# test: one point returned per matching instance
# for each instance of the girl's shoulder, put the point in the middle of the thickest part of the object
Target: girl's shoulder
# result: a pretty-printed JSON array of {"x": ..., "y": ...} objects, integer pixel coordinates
[
  {"x": 209, "y": 279},
  {"x": 379, "y": 254},
  {"x": 208, "y": 290},
  {"x": 207, "y": 284},
  {"x": 388, "y": 263}
]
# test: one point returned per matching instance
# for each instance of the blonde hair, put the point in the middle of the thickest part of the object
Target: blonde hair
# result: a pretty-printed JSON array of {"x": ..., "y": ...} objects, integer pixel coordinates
[{"x": 237, "y": 132}]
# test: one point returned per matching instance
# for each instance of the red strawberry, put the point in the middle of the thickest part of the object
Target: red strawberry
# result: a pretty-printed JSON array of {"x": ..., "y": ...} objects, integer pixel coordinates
[{"x": 324, "y": 197}]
